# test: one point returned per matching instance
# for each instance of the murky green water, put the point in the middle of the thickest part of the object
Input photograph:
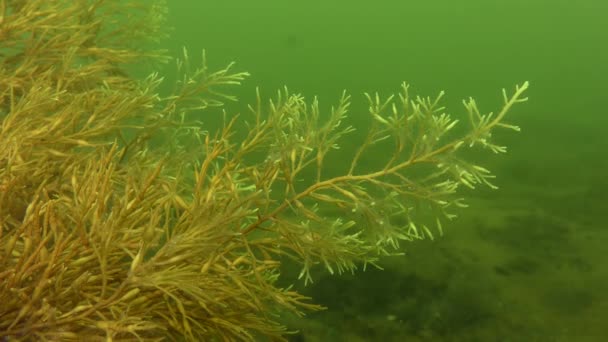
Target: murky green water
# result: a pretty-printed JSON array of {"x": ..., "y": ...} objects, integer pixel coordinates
[{"x": 525, "y": 262}]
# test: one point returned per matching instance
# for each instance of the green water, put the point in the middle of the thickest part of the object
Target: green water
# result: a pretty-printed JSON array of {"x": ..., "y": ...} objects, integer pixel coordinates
[{"x": 525, "y": 262}]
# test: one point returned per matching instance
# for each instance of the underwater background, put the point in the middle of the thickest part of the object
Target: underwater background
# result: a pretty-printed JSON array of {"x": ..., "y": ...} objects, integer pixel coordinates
[{"x": 526, "y": 262}]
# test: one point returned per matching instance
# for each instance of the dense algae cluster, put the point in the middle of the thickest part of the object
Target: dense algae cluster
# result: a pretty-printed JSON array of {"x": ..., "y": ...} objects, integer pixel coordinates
[{"x": 108, "y": 236}]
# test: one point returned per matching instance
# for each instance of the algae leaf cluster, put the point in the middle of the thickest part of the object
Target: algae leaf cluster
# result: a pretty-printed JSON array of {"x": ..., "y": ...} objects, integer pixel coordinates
[{"x": 107, "y": 235}]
